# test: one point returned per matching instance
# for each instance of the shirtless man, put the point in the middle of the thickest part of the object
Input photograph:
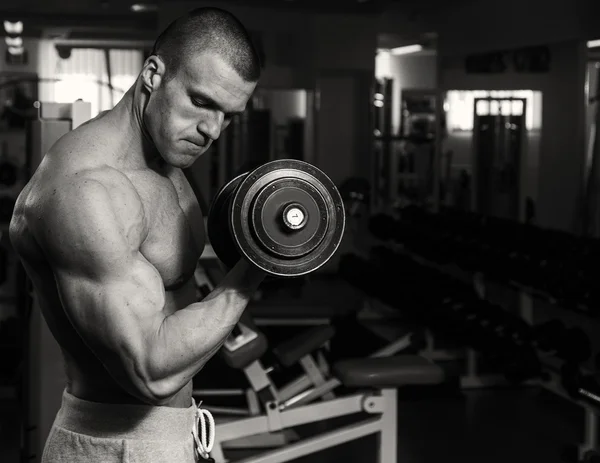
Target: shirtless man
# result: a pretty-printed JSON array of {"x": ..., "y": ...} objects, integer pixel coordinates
[{"x": 109, "y": 231}]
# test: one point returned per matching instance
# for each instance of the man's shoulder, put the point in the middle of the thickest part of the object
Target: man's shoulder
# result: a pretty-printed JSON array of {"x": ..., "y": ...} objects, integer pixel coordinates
[
  {"x": 89, "y": 202},
  {"x": 87, "y": 194},
  {"x": 89, "y": 182}
]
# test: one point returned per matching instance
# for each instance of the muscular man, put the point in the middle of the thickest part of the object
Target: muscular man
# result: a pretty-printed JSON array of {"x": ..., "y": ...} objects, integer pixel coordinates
[{"x": 110, "y": 233}]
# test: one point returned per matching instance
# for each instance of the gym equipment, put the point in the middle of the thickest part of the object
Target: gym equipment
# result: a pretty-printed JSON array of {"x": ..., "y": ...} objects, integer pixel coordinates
[
  {"x": 580, "y": 386},
  {"x": 550, "y": 264},
  {"x": 245, "y": 350},
  {"x": 453, "y": 311},
  {"x": 377, "y": 377},
  {"x": 286, "y": 217}
]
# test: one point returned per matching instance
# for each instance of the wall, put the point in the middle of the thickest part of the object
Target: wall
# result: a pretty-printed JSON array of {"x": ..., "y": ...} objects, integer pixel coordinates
[
  {"x": 562, "y": 139},
  {"x": 301, "y": 49},
  {"x": 487, "y": 25}
]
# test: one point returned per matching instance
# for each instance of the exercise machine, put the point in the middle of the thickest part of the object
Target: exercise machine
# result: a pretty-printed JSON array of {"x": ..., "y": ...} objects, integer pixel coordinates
[{"x": 376, "y": 381}]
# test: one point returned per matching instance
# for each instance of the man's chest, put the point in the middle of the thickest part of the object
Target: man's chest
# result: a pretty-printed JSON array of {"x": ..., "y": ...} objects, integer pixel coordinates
[{"x": 175, "y": 227}]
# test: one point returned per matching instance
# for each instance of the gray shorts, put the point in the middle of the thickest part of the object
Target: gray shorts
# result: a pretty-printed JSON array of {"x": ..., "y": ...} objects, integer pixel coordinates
[{"x": 109, "y": 433}]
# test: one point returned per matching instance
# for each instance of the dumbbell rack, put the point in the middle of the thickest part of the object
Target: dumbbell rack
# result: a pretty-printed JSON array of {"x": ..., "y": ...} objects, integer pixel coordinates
[{"x": 472, "y": 379}]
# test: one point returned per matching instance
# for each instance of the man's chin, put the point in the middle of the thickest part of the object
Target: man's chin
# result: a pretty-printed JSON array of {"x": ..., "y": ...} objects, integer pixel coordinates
[{"x": 188, "y": 160}]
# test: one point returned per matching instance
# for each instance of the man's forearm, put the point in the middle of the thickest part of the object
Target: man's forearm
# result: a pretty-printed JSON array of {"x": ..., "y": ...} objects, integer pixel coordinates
[{"x": 188, "y": 338}]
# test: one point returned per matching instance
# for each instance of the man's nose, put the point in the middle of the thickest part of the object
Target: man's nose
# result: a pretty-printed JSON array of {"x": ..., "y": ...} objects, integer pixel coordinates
[{"x": 211, "y": 125}]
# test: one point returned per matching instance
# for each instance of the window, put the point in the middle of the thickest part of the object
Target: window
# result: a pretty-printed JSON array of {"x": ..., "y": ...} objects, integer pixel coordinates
[
  {"x": 83, "y": 75},
  {"x": 459, "y": 107}
]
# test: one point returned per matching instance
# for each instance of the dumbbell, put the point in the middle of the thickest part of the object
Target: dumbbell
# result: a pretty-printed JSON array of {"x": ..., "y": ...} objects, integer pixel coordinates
[{"x": 286, "y": 217}]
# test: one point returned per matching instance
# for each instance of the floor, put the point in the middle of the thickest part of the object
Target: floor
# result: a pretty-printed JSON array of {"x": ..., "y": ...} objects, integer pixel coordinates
[{"x": 501, "y": 426}]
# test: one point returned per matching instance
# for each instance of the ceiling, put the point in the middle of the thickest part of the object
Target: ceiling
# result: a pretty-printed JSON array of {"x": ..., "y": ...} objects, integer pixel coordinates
[{"x": 103, "y": 19}]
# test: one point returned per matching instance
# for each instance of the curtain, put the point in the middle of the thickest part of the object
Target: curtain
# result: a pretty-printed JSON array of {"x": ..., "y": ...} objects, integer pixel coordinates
[{"x": 84, "y": 75}]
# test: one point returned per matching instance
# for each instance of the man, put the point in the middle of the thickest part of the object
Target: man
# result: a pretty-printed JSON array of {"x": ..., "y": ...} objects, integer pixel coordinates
[{"x": 110, "y": 233}]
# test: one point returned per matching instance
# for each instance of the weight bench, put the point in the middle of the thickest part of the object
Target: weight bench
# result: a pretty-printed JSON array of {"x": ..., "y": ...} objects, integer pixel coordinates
[
  {"x": 377, "y": 378},
  {"x": 244, "y": 350}
]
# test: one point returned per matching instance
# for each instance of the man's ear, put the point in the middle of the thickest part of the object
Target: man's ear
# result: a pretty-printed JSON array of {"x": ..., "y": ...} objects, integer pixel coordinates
[{"x": 153, "y": 72}]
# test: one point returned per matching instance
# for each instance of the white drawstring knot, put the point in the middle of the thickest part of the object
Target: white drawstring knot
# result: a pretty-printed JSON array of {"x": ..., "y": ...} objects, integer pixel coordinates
[{"x": 204, "y": 445}]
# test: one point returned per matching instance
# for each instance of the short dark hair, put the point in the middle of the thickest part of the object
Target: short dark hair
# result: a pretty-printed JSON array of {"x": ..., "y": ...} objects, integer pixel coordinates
[{"x": 208, "y": 28}]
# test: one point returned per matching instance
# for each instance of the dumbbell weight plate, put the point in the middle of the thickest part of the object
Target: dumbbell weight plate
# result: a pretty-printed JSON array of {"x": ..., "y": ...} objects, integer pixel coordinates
[
  {"x": 217, "y": 223},
  {"x": 287, "y": 217}
]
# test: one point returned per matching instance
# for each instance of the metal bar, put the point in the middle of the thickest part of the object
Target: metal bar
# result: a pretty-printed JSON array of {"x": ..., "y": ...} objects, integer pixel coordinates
[
  {"x": 475, "y": 382},
  {"x": 292, "y": 417},
  {"x": 312, "y": 394},
  {"x": 108, "y": 66},
  {"x": 234, "y": 411},
  {"x": 268, "y": 321},
  {"x": 218, "y": 392},
  {"x": 105, "y": 43},
  {"x": 590, "y": 431},
  {"x": 388, "y": 443},
  {"x": 323, "y": 410},
  {"x": 312, "y": 370},
  {"x": 257, "y": 376},
  {"x": 526, "y": 306},
  {"x": 294, "y": 388},
  {"x": 314, "y": 373},
  {"x": 318, "y": 443},
  {"x": 394, "y": 347},
  {"x": 471, "y": 363},
  {"x": 439, "y": 355}
]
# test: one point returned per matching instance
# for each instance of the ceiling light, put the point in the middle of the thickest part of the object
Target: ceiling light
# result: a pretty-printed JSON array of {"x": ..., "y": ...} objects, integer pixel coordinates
[
  {"x": 13, "y": 28},
  {"x": 406, "y": 50},
  {"x": 593, "y": 43},
  {"x": 14, "y": 41},
  {"x": 143, "y": 7},
  {"x": 16, "y": 50}
]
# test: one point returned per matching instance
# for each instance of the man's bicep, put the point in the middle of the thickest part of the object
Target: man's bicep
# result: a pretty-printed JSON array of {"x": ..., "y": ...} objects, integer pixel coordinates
[
  {"x": 117, "y": 318},
  {"x": 113, "y": 312}
]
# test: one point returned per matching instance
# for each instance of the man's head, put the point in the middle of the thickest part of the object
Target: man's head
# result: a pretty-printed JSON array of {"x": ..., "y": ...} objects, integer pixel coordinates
[{"x": 201, "y": 73}]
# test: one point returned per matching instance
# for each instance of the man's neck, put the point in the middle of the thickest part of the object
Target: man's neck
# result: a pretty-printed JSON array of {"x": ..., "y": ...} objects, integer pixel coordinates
[{"x": 139, "y": 151}]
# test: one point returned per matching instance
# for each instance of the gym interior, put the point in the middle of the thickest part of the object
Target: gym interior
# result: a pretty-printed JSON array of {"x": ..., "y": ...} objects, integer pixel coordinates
[{"x": 461, "y": 138}]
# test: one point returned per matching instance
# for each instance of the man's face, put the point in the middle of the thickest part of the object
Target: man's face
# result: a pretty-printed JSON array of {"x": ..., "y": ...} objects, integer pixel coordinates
[{"x": 186, "y": 113}]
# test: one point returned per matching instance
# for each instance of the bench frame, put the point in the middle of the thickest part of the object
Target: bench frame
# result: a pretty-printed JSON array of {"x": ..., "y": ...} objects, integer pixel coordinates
[{"x": 383, "y": 403}]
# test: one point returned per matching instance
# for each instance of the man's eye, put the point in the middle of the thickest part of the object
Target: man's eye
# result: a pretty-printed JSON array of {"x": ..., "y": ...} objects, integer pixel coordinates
[{"x": 200, "y": 104}]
